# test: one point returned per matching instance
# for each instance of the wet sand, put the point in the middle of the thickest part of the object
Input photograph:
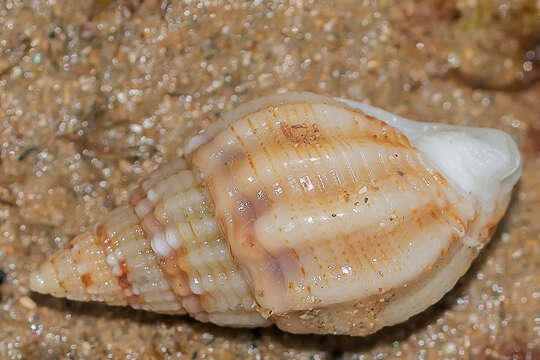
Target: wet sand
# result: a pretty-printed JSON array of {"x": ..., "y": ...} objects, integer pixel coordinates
[{"x": 94, "y": 95}]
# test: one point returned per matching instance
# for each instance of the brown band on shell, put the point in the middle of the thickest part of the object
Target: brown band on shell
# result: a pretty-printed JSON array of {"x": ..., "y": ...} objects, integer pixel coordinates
[
  {"x": 60, "y": 282},
  {"x": 123, "y": 279},
  {"x": 245, "y": 209},
  {"x": 178, "y": 215},
  {"x": 242, "y": 232},
  {"x": 104, "y": 241},
  {"x": 91, "y": 278},
  {"x": 382, "y": 133},
  {"x": 388, "y": 135},
  {"x": 176, "y": 277},
  {"x": 86, "y": 279},
  {"x": 152, "y": 227},
  {"x": 137, "y": 196}
]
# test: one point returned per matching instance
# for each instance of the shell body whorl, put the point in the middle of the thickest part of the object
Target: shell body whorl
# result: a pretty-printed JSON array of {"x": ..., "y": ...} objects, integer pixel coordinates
[{"x": 298, "y": 210}]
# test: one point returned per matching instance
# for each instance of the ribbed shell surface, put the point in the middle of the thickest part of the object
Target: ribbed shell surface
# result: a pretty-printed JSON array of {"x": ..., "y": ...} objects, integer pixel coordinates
[
  {"x": 165, "y": 253},
  {"x": 301, "y": 211},
  {"x": 178, "y": 217},
  {"x": 322, "y": 205}
]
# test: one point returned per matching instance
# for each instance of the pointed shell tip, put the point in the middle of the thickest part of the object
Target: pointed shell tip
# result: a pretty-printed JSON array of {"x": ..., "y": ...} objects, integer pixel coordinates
[{"x": 44, "y": 281}]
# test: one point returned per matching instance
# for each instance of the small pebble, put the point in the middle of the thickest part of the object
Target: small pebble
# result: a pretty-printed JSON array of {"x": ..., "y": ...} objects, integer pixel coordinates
[
  {"x": 27, "y": 303},
  {"x": 86, "y": 347}
]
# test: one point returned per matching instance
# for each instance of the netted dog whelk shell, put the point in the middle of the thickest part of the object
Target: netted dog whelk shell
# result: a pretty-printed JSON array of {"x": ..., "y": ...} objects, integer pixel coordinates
[{"x": 318, "y": 215}]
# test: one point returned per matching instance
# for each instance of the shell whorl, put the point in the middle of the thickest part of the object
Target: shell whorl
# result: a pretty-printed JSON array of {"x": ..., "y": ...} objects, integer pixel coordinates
[
  {"x": 332, "y": 207},
  {"x": 295, "y": 210}
]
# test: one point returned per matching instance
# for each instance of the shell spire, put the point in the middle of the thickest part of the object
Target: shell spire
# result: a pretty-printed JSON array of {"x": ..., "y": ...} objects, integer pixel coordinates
[
  {"x": 319, "y": 215},
  {"x": 164, "y": 253}
]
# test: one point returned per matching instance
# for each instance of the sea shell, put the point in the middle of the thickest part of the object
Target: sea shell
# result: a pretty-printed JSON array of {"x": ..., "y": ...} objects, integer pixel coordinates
[{"x": 315, "y": 214}]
